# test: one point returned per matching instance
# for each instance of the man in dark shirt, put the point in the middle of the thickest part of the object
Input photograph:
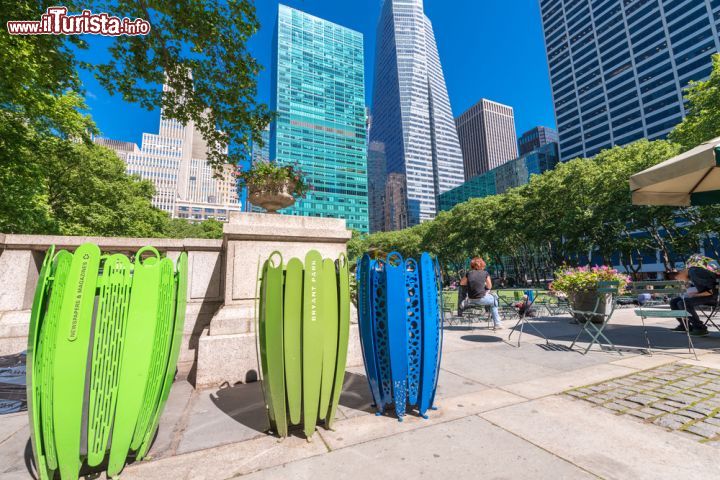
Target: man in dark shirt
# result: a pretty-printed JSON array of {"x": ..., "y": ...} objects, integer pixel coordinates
[
  {"x": 478, "y": 285},
  {"x": 704, "y": 293}
]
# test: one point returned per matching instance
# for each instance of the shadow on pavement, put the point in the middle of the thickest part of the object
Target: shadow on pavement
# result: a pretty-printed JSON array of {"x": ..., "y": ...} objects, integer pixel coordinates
[
  {"x": 481, "y": 338},
  {"x": 356, "y": 393},
  {"x": 630, "y": 338},
  {"x": 244, "y": 403}
]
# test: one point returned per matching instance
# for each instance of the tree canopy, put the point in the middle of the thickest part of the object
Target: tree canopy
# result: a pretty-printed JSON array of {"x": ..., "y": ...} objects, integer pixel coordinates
[
  {"x": 198, "y": 49},
  {"x": 53, "y": 179},
  {"x": 581, "y": 212}
]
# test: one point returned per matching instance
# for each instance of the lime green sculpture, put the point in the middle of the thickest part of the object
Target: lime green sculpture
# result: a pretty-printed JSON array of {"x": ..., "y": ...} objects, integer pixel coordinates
[
  {"x": 103, "y": 346},
  {"x": 303, "y": 330}
]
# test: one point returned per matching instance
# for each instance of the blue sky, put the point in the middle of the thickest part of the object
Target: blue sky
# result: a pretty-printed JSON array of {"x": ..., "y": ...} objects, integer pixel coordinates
[{"x": 488, "y": 48}]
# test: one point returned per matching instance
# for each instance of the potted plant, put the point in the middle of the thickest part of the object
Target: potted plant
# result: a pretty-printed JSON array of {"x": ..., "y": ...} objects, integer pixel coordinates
[
  {"x": 273, "y": 186},
  {"x": 580, "y": 284}
]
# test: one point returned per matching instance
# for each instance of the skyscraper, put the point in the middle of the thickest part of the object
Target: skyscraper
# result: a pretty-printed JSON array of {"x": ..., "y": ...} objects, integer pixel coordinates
[
  {"x": 377, "y": 178},
  {"x": 487, "y": 136},
  {"x": 175, "y": 160},
  {"x": 500, "y": 179},
  {"x": 261, "y": 153},
  {"x": 618, "y": 68},
  {"x": 319, "y": 94},
  {"x": 535, "y": 138},
  {"x": 411, "y": 111}
]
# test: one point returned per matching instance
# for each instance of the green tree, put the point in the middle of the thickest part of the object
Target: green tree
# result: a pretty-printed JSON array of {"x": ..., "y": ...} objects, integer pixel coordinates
[
  {"x": 180, "y": 228},
  {"x": 197, "y": 48},
  {"x": 702, "y": 122}
]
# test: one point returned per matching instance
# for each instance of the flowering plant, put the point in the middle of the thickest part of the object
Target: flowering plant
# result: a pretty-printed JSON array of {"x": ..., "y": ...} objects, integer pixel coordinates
[
  {"x": 272, "y": 177},
  {"x": 586, "y": 279},
  {"x": 703, "y": 262}
]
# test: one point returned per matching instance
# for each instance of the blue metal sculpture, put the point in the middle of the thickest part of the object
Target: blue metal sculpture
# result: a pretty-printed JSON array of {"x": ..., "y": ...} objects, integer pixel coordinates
[{"x": 400, "y": 320}]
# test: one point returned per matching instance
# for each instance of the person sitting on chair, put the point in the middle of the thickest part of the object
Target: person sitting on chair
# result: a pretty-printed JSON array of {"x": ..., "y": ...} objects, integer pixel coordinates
[
  {"x": 702, "y": 274},
  {"x": 524, "y": 308},
  {"x": 479, "y": 284}
]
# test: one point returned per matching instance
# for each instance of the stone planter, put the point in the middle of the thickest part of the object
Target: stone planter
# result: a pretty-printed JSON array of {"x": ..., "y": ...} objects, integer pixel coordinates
[
  {"x": 586, "y": 302},
  {"x": 272, "y": 199}
]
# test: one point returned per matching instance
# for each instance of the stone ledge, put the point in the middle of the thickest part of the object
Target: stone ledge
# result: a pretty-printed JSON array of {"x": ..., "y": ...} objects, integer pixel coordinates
[
  {"x": 279, "y": 228},
  {"x": 43, "y": 242}
]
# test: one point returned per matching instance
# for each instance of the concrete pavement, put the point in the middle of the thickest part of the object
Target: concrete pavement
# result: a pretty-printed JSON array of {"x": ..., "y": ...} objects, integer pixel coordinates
[{"x": 502, "y": 414}]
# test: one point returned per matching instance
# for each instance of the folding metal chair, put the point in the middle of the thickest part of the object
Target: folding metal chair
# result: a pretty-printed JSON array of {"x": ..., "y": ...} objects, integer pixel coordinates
[
  {"x": 670, "y": 289},
  {"x": 605, "y": 293},
  {"x": 472, "y": 313},
  {"x": 709, "y": 312},
  {"x": 560, "y": 306},
  {"x": 523, "y": 318},
  {"x": 450, "y": 307}
]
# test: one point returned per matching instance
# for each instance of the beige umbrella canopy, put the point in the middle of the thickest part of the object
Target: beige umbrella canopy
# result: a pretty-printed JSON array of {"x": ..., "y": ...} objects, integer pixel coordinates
[{"x": 691, "y": 178}]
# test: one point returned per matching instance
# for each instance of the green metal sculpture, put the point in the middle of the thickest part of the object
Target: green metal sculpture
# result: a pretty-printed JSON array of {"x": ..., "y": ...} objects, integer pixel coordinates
[
  {"x": 303, "y": 330},
  {"x": 103, "y": 346}
]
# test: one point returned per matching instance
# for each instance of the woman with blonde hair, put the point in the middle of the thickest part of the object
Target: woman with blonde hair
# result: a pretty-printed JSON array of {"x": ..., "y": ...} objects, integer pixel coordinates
[{"x": 478, "y": 285}]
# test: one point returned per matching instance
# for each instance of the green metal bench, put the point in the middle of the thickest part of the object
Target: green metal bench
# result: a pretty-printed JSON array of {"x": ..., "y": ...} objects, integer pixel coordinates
[
  {"x": 606, "y": 292},
  {"x": 669, "y": 289}
]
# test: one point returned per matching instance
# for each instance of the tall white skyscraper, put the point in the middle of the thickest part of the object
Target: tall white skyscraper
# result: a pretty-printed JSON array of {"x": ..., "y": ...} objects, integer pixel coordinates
[
  {"x": 175, "y": 160},
  {"x": 618, "y": 68},
  {"x": 411, "y": 110},
  {"x": 487, "y": 136}
]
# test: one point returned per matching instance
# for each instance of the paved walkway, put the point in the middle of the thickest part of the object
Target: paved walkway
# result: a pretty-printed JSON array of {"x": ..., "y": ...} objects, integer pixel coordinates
[{"x": 538, "y": 411}]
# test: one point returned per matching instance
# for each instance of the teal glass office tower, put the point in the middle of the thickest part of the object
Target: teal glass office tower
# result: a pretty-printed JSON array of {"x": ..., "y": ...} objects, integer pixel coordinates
[{"x": 318, "y": 93}]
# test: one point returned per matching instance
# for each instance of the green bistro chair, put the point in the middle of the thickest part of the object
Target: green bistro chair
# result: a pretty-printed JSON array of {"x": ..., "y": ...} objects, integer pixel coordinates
[
  {"x": 558, "y": 306},
  {"x": 450, "y": 306},
  {"x": 710, "y": 312},
  {"x": 585, "y": 318},
  {"x": 669, "y": 289},
  {"x": 523, "y": 318}
]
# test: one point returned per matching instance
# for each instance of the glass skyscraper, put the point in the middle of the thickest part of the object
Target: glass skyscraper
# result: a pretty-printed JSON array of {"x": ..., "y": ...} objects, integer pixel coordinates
[
  {"x": 618, "y": 67},
  {"x": 500, "y": 179},
  {"x": 411, "y": 111},
  {"x": 318, "y": 93}
]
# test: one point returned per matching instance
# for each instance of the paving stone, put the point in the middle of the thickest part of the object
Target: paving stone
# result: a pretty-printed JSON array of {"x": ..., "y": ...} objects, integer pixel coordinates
[
  {"x": 624, "y": 392},
  {"x": 664, "y": 407},
  {"x": 671, "y": 421},
  {"x": 702, "y": 391},
  {"x": 683, "y": 399},
  {"x": 704, "y": 430},
  {"x": 640, "y": 414},
  {"x": 627, "y": 404},
  {"x": 652, "y": 385},
  {"x": 643, "y": 399},
  {"x": 704, "y": 411},
  {"x": 713, "y": 421},
  {"x": 577, "y": 393},
  {"x": 691, "y": 414},
  {"x": 596, "y": 400},
  {"x": 677, "y": 404},
  {"x": 652, "y": 411},
  {"x": 615, "y": 406}
]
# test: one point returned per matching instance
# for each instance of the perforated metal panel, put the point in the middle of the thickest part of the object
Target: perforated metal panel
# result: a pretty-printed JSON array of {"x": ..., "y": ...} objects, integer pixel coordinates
[
  {"x": 46, "y": 348},
  {"x": 381, "y": 329},
  {"x": 412, "y": 284},
  {"x": 110, "y": 323},
  {"x": 161, "y": 350}
]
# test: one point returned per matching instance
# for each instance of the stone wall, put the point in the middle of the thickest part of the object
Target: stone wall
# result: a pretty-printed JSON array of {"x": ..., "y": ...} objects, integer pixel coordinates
[
  {"x": 219, "y": 339},
  {"x": 21, "y": 257}
]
